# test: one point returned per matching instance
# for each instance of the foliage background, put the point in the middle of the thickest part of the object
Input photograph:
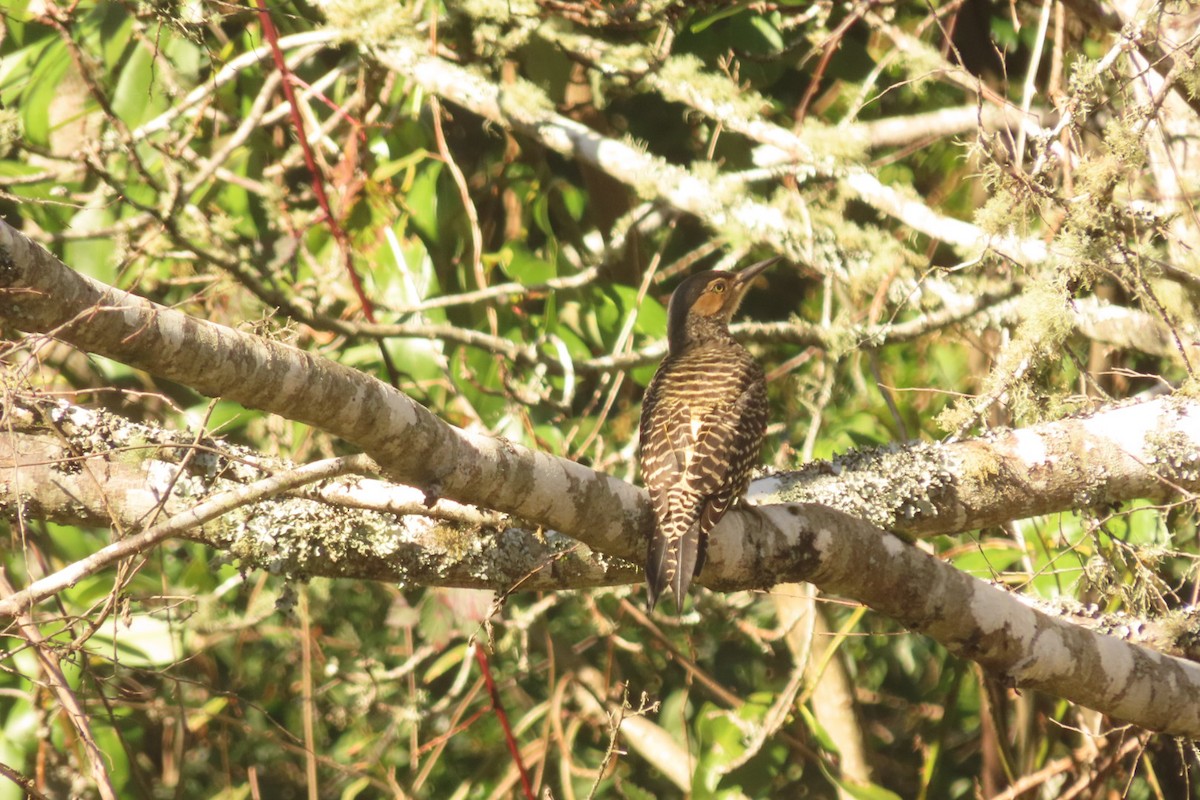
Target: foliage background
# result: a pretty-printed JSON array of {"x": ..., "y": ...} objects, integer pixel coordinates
[{"x": 145, "y": 148}]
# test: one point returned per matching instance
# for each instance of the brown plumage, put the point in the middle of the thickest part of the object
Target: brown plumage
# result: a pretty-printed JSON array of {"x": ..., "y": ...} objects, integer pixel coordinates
[{"x": 703, "y": 420}]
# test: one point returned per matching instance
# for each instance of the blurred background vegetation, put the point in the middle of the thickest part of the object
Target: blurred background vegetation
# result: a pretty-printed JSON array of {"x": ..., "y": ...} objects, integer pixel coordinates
[{"x": 151, "y": 146}]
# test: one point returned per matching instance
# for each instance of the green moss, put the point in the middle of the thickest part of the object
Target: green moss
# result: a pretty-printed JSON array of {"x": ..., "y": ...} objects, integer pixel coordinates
[
  {"x": 498, "y": 27},
  {"x": 1085, "y": 87},
  {"x": 616, "y": 58},
  {"x": 1190, "y": 76},
  {"x": 684, "y": 79},
  {"x": 922, "y": 62},
  {"x": 829, "y": 141},
  {"x": 999, "y": 214},
  {"x": 369, "y": 22},
  {"x": 1046, "y": 317},
  {"x": 523, "y": 100},
  {"x": 10, "y": 129},
  {"x": 1026, "y": 364}
]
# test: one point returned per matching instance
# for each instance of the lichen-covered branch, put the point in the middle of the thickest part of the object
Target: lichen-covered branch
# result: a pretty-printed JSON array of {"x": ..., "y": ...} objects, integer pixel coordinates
[
  {"x": 74, "y": 465},
  {"x": 728, "y": 209},
  {"x": 1027, "y": 647},
  {"x": 1143, "y": 450},
  {"x": 1139, "y": 450}
]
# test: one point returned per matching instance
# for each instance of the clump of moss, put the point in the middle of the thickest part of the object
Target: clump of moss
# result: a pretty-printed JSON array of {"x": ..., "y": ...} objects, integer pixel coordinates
[
  {"x": 11, "y": 129},
  {"x": 685, "y": 79},
  {"x": 1036, "y": 345},
  {"x": 369, "y": 22}
]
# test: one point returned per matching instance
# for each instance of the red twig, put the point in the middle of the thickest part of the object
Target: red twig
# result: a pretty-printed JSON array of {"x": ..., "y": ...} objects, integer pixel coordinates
[
  {"x": 482, "y": 658},
  {"x": 318, "y": 183}
]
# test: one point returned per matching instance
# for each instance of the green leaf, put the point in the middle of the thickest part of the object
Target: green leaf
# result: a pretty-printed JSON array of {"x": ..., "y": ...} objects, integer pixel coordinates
[
  {"x": 94, "y": 257},
  {"x": 818, "y": 731},
  {"x": 21, "y": 725},
  {"x": 88, "y": 591},
  {"x": 116, "y": 759},
  {"x": 703, "y": 24},
  {"x": 355, "y": 788},
  {"x": 524, "y": 267},
  {"x": 651, "y": 316},
  {"x": 769, "y": 32},
  {"x": 445, "y": 662},
  {"x": 16, "y": 18},
  {"x": 226, "y": 417},
  {"x": 49, "y": 69},
  {"x": 240, "y": 792},
  {"x": 988, "y": 557},
  {"x": 143, "y": 641},
  {"x": 15, "y": 66},
  {"x": 722, "y": 742},
  {"x": 72, "y": 543},
  {"x": 420, "y": 359},
  {"x": 574, "y": 199},
  {"x": 12, "y": 756},
  {"x": 863, "y": 791},
  {"x": 422, "y": 201},
  {"x": 111, "y": 34},
  {"x": 539, "y": 209},
  {"x": 576, "y": 347},
  {"x": 1146, "y": 526}
]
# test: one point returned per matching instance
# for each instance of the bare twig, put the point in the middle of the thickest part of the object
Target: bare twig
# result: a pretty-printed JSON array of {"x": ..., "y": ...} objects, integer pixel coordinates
[
  {"x": 18, "y": 602},
  {"x": 72, "y": 708}
]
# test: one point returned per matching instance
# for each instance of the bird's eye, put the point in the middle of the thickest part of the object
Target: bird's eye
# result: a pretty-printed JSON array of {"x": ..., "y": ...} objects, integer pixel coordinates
[{"x": 717, "y": 287}]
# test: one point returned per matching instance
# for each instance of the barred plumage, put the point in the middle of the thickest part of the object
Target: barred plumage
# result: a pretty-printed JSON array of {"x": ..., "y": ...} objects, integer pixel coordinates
[{"x": 703, "y": 420}]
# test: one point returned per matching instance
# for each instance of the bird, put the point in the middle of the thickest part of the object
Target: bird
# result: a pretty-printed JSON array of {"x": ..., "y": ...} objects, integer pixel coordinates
[{"x": 704, "y": 416}]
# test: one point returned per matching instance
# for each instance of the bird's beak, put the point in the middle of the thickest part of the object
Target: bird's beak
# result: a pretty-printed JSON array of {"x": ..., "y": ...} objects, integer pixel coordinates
[{"x": 746, "y": 276}]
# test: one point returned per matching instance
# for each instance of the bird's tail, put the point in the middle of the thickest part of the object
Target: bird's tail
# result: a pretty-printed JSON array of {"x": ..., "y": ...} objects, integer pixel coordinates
[{"x": 674, "y": 558}]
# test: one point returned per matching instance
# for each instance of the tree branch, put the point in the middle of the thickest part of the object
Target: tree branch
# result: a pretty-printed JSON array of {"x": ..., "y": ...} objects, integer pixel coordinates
[
  {"x": 89, "y": 467},
  {"x": 1141, "y": 450},
  {"x": 1026, "y": 647},
  {"x": 19, "y": 602},
  {"x": 38, "y": 293},
  {"x": 528, "y": 111},
  {"x": 1147, "y": 450}
]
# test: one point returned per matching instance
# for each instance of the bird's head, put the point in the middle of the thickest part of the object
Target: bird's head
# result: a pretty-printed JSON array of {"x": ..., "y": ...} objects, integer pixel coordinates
[{"x": 704, "y": 303}]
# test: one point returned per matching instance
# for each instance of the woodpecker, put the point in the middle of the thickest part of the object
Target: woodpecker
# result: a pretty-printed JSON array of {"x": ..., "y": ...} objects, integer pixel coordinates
[{"x": 703, "y": 420}]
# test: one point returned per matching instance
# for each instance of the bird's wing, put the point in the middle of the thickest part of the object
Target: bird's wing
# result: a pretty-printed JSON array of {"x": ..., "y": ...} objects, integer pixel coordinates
[
  {"x": 718, "y": 455},
  {"x": 667, "y": 443},
  {"x": 721, "y": 461},
  {"x": 667, "y": 446}
]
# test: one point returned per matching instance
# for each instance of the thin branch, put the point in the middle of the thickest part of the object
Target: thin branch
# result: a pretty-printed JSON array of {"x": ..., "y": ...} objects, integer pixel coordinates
[
  {"x": 228, "y": 73},
  {"x": 1097, "y": 12},
  {"x": 19, "y": 602},
  {"x": 71, "y": 707},
  {"x": 502, "y": 718}
]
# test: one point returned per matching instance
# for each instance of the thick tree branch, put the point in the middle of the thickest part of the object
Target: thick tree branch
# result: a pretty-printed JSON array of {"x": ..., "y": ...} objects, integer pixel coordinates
[
  {"x": 1028, "y": 648},
  {"x": 934, "y": 489},
  {"x": 1157, "y": 441},
  {"x": 1141, "y": 450},
  {"x": 80, "y": 466},
  {"x": 40, "y": 294},
  {"x": 760, "y": 547},
  {"x": 19, "y": 602}
]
